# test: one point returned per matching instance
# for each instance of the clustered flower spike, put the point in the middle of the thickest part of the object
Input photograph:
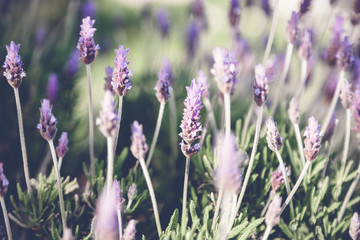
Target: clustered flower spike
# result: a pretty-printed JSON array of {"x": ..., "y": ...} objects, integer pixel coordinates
[
  {"x": 228, "y": 174},
  {"x": 13, "y": 72},
  {"x": 62, "y": 147},
  {"x": 132, "y": 192},
  {"x": 86, "y": 44},
  {"x": 304, "y": 7},
  {"x": 47, "y": 125},
  {"x": 306, "y": 45},
  {"x": 294, "y": 111},
  {"x": 4, "y": 182},
  {"x": 277, "y": 178},
  {"x": 163, "y": 23},
  {"x": 234, "y": 13},
  {"x": 356, "y": 110},
  {"x": 138, "y": 142},
  {"x": 272, "y": 216},
  {"x": 108, "y": 87},
  {"x": 312, "y": 139},
  {"x": 163, "y": 86},
  {"x": 108, "y": 117},
  {"x": 354, "y": 229},
  {"x": 261, "y": 87},
  {"x": 121, "y": 75},
  {"x": 344, "y": 56},
  {"x": 190, "y": 124},
  {"x": 129, "y": 232},
  {"x": 202, "y": 80},
  {"x": 224, "y": 70},
  {"x": 119, "y": 200},
  {"x": 273, "y": 138},
  {"x": 335, "y": 42},
  {"x": 345, "y": 93},
  {"x": 293, "y": 30},
  {"x": 52, "y": 87}
]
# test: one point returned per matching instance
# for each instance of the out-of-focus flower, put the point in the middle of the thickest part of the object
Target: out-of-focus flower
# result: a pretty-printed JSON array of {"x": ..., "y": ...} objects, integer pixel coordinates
[
  {"x": 345, "y": 93},
  {"x": 129, "y": 232},
  {"x": 344, "y": 56},
  {"x": 243, "y": 54},
  {"x": 354, "y": 229},
  {"x": 108, "y": 117},
  {"x": 107, "y": 86},
  {"x": 192, "y": 38},
  {"x": 234, "y": 13},
  {"x": 202, "y": 80},
  {"x": 356, "y": 110},
  {"x": 198, "y": 11},
  {"x": 294, "y": 111},
  {"x": 72, "y": 64},
  {"x": 52, "y": 87},
  {"x": 132, "y": 192},
  {"x": 306, "y": 45},
  {"x": 40, "y": 36},
  {"x": 261, "y": 87},
  {"x": 86, "y": 44},
  {"x": 88, "y": 8},
  {"x": 14, "y": 72},
  {"x": 163, "y": 86},
  {"x": 312, "y": 139},
  {"x": 138, "y": 141},
  {"x": 272, "y": 216},
  {"x": 335, "y": 42},
  {"x": 163, "y": 23},
  {"x": 266, "y": 7},
  {"x": 4, "y": 182},
  {"x": 119, "y": 200},
  {"x": 273, "y": 138},
  {"x": 331, "y": 128},
  {"x": 47, "y": 125},
  {"x": 166, "y": 66},
  {"x": 356, "y": 72},
  {"x": 293, "y": 30},
  {"x": 330, "y": 87},
  {"x": 277, "y": 178},
  {"x": 121, "y": 75},
  {"x": 62, "y": 147},
  {"x": 304, "y": 7}
]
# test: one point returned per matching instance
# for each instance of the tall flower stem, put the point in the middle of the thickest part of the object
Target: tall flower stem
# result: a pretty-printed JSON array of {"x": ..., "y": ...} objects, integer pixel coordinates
[
  {"x": 272, "y": 31},
  {"x": 152, "y": 194},
  {"x": 120, "y": 223},
  {"x": 22, "y": 140},
  {"x": 304, "y": 67},
  {"x": 91, "y": 123},
  {"x": 299, "y": 143},
  {"x": 110, "y": 164},
  {"x": 6, "y": 218},
  {"x": 225, "y": 214},
  {"x": 246, "y": 124},
  {"x": 58, "y": 180},
  {"x": 227, "y": 114},
  {"x": 186, "y": 180},
  {"x": 60, "y": 162},
  {"x": 267, "y": 232},
  {"x": 346, "y": 142},
  {"x": 272, "y": 194},
  {"x": 297, "y": 184},
  {"x": 156, "y": 133},
  {"x": 217, "y": 207},
  {"x": 173, "y": 125},
  {"x": 116, "y": 138},
  {"x": 333, "y": 102},
  {"x": 248, "y": 171}
]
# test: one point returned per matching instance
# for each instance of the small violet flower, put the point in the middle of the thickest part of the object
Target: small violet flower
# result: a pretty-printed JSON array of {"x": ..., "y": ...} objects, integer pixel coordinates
[
  {"x": 121, "y": 75},
  {"x": 344, "y": 56},
  {"x": 108, "y": 117},
  {"x": 13, "y": 72},
  {"x": 163, "y": 86},
  {"x": 277, "y": 178},
  {"x": 166, "y": 66},
  {"x": 192, "y": 38},
  {"x": 4, "y": 182},
  {"x": 198, "y": 12},
  {"x": 163, "y": 23},
  {"x": 72, "y": 64},
  {"x": 261, "y": 87},
  {"x": 306, "y": 45},
  {"x": 234, "y": 13},
  {"x": 62, "y": 147},
  {"x": 293, "y": 30},
  {"x": 354, "y": 229},
  {"x": 294, "y": 111},
  {"x": 86, "y": 44},
  {"x": 202, "y": 80},
  {"x": 47, "y": 125},
  {"x": 52, "y": 87},
  {"x": 273, "y": 138},
  {"x": 107, "y": 86},
  {"x": 335, "y": 42},
  {"x": 88, "y": 8},
  {"x": 129, "y": 232},
  {"x": 345, "y": 93},
  {"x": 312, "y": 139},
  {"x": 119, "y": 200},
  {"x": 304, "y": 7},
  {"x": 272, "y": 216},
  {"x": 138, "y": 141}
]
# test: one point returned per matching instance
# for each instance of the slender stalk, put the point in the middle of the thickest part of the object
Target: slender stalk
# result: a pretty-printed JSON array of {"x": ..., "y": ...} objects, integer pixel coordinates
[
  {"x": 272, "y": 194},
  {"x": 152, "y": 194},
  {"x": 346, "y": 142},
  {"x": 173, "y": 125},
  {"x": 110, "y": 165},
  {"x": 58, "y": 180},
  {"x": 91, "y": 124},
  {"x": 246, "y": 124},
  {"x": 225, "y": 215},
  {"x": 227, "y": 114},
  {"x": 6, "y": 218},
  {"x": 217, "y": 207},
  {"x": 120, "y": 222},
  {"x": 211, "y": 115},
  {"x": 22, "y": 140},
  {"x": 272, "y": 31},
  {"x": 116, "y": 137},
  {"x": 156, "y": 133},
  {"x": 304, "y": 66},
  {"x": 60, "y": 162},
  {"x": 333, "y": 102},
  {"x": 297, "y": 184},
  {"x": 248, "y": 171},
  {"x": 129, "y": 204},
  {"x": 299, "y": 143},
  {"x": 267, "y": 232},
  {"x": 186, "y": 180}
]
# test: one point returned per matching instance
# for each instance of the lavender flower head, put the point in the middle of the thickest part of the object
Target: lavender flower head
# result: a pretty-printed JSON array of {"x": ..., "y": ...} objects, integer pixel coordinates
[
  {"x": 356, "y": 110},
  {"x": 234, "y": 13},
  {"x": 202, "y": 80},
  {"x": 190, "y": 124},
  {"x": 52, "y": 87},
  {"x": 345, "y": 93},
  {"x": 192, "y": 38},
  {"x": 72, "y": 64},
  {"x": 108, "y": 87},
  {"x": 47, "y": 125},
  {"x": 306, "y": 45},
  {"x": 277, "y": 178},
  {"x": 344, "y": 56},
  {"x": 119, "y": 200},
  {"x": 335, "y": 42},
  {"x": 304, "y": 7},
  {"x": 4, "y": 182},
  {"x": 14, "y": 72},
  {"x": 261, "y": 87},
  {"x": 129, "y": 232},
  {"x": 228, "y": 174},
  {"x": 312, "y": 139},
  {"x": 163, "y": 23},
  {"x": 272, "y": 216},
  {"x": 88, "y": 8},
  {"x": 198, "y": 11},
  {"x": 294, "y": 111},
  {"x": 121, "y": 75},
  {"x": 224, "y": 70},
  {"x": 163, "y": 86},
  {"x": 273, "y": 138},
  {"x": 86, "y": 44},
  {"x": 293, "y": 30},
  {"x": 62, "y": 147},
  {"x": 138, "y": 142},
  {"x": 108, "y": 117},
  {"x": 354, "y": 229},
  {"x": 132, "y": 192},
  {"x": 166, "y": 66}
]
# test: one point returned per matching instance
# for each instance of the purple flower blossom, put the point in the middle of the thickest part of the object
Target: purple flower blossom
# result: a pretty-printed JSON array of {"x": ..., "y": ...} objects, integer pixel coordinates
[
  {"x": 108, "y": 117},
  {"x": 345, "y": 93},
  {"x": 129, "y": 232},
  {"x": 273, "y": 138},
  {"x": 354, "y": 229},
  {"x": 224, "y": 70},
  {"x": 190, "y": 124},
  {"x": 121, "y": 75},
  {"x": 272, "y": 216},
  {"x": 192, "y": 38},
  {"x": 119, "y": 200},
  {"x": 356, "y": 110},
  {"x": 62, "y": 147},
  {"x": 277, "y": 178},
  {"x": 107, "y": 86},
  {"x": 14, "y": 72},
  {"x": 47, "y": 125},
  {"x": 293, "y": 30},
  {"x": 72, "y": 64},
  {"x": 261, "y": 87},
  {"x": 266, "y": 7},
  {"x": 356, "y": 69},
  {"x": 331, "y": 83},
  {"x": 138, "y": 141},
  {"x": 132, "y": 192},
  {"x": 306, "y": 45},
  {"x": 234, "y": 13},
  {"x": 202, "y": 80},
  {"x": 52, "y": 87},
  {"x": 166, "y": 66},
  {"x": 163, "y": 86},
  {"x": 163, "y": 23},
  {"x": 332, "y": 49},
  {"x": 86, "y": 44},
  {"x": 4, "y": 182},
  {"x": 294, "y": 111},
  {"x": 198, "y": 11},
  {"x": 312, "y": 139},
  {"x": 344, "y": 56},
  {"x": 331, "y": 128},
  {"x": 304, "y": 7},
  {"x": 88, "y": 8}
]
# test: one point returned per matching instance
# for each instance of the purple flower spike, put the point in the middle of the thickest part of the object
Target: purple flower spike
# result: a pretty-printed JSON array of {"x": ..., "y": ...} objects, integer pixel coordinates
[
  {"x": 312, "y": 139},
  {"x": 192, "y": 38},
  {"x": 277, "y": 178},
  {"x": 47, "y": 125},
  {"x": 108, "y": 117},
  {"x": 224, "y": 70},
  {"x": 163, "y": 86},
  {"x": 345, "y": 93},
  {"x": 121, "y": 75},
  {"x": 62, "y": 147},
  {"x": 306, "y": 45},
  {"x": 354, "y": 229},
  {"x": 273, "y": 138},
  {"x": 86, "y": 44},
  {"x": 266, "y": 7},
  {"x": 163, "y": 23},
  {"x": 72, "y": 64},
  {"x": 294, "y": 111},
  {"x": 332, "y": 49},
  {"x": 129, "y": 232},
  {"x": 293, "y": 30},
  {"x": 138, "y": 141},
  {"x": 202, "y": 80},
  {"x": 119, "y": 200},
  {"x": 234, "y": 13},
  {"x": 356, "y": 110},
  {"x": 52, "y": 87},
  {"x": 344, "y": 56},
  {"x": 88, "y": 9},
  {"x": 198, "y": 11},
  {"x": 272, "y": 216},
  {"x": 261, "y": 87},
  {"x": 14, "y": 72},
  {"x": 4, "y": 182},
  {"x": 304, "y": 7},
  {"x": 109, "y": 73},
  {"x": 166, "y": 66},
  {"x": 190, "y": 124}
]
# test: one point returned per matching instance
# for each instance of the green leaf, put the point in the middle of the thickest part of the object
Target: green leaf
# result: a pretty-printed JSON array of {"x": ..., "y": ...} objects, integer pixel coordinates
[
  {"x": 251, "y": 228},
  {"x": 139, "y": 200},
  {"x": 54, "y": 232},
  {"x": 76, "y": 236},
  {"x": 350, "y": 177},
  {"x": 333, "y": 207},
  {"x": 193, "y": 213},
  {"x": 238, "y": 229},
  {"x": 173, "y": 221},
  {"x": 321, "y": 194},
  {"x": 143, "y": 237},
  {"x": 319, "y": 234},
  {"x": 286, "y": 230}
]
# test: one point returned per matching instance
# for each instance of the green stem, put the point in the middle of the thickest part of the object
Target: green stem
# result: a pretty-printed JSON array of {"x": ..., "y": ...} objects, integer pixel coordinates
[
  {"x": 173, "y": 125},
  {"x": 116, "y": 137},
  {"x": 110, "y": 165},
  {"x": 272, "y": 194},
  {"x": 227, "y": 114},
  {"x": 267, "y": 232},
  {"x": 246, "y": 124},
  {"x": 120, "y": 222},
  {"x": 6, "y": 218},
  {"x": 210, "y": 111},
  {"x": 272, "y": 31},
  {"x": 346, "y": 142},
  {"x": 91, "y": 123},
  {"x": 60, "y": 162},
  {"x": 304, "y": 64},
  {"x": 129, "y": 204},
  {"x": 186, "y": 180},
  {"x": 299, "y": 143},
  {"x": 225, "y": 214},
  {"x": 217, "y": 207}
]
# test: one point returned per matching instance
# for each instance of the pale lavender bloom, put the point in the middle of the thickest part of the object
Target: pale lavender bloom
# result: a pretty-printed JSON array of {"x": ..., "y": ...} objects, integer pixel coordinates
[
  {"x": 88, "y": 8},
  {"x": 121, "y": 75},
  {"x": 202, "y": 80},
  {"x": 273, "y": 138},
  {"x": 331, "y": 83},
  {"x": 234, "y": 13},
  {"x": 293, "y": 30},
  {"x": 13, "y": 72},
  {"x": 86, "y": 44},
  {"x": 354, "y": 229},
  {"x": 72, "y": 64},
  {"x": 356, "y": 110},
  {"x": 52, "y": 87},
  {"x": 163, "y": 23},
  {"x": 138, "y": 141},
  {"x": 108, "y": 87},
  {"x": 335, "y": 42},
  {"x": 345, "y": 93},
  {"x": 277, "y": 178},
  {"x": 344, "y": 56},
  {"x": 132, "y": 192},
  {"x": 261, "y": 87},
  {"x": 272, "y": 216},
  {"x": 166, "y": 66},
  {"x": 312, "y": 139},
  {"x": 4, "y": 182},
  {"x": 62, "y": 147},
  {"x": 163, "y": 86},
  {"x": 224, "y": 70},
  {"x": 192, "y": 38},
  {"x": 129, "y": 232},
  {"x": 119, "y": 200},
  {"x": 108, "y": 117},
  {"x": 228, "y": 174},
  {"x": 47, "y": 125},
  {"x": 306, "y": 45},
  {"x": 294, "y": 111},
  {"x": 190, "y": 124}
]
